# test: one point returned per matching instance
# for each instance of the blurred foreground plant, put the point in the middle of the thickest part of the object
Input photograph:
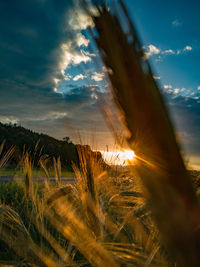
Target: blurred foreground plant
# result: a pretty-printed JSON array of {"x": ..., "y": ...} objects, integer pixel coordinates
[{"x": 160, "y": 165}]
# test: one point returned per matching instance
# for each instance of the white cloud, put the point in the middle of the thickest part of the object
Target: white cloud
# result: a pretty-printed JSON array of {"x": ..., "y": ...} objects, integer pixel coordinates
[
  {"x": 72, "y": 56},
  {"x": 67, "y": 77},
  {"x": 168, "y": 51},
  {"x": 94, "y": 96},
  {"x": 187, "y": 48},
  {"x": 89, "y": 54},
  {"x": 79, "y": 76},
  {"x": 81, "y": 40},
  {"x": 184, "y": 92},
  {"x": 9, "y": 119},
  {"x": 79, "y": 20},
  {"x": 151, "y": 50},
  {"x": 97, "y": 76},
  {"x": 64, "y": 77},
  {"x": 167, "y": 86},
  {"x": 56, "y": 80},
  {"x": 57, "y": 115},
  {"x": 156, "y": 77},
  {"x": 198, "y": 87},
  {"x": 176, "y": 90},
  {"x": 107, "y": 70},
  {"x": 176, "y": 23},
  {"x": 52, "y": 115},
  {"x": 76, "y": 58}
]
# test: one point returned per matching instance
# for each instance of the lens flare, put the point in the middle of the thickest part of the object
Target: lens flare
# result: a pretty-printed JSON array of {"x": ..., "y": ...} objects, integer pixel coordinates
[
  {"x": 119, "y": 157},
  {"x": 128, "y": 154}
]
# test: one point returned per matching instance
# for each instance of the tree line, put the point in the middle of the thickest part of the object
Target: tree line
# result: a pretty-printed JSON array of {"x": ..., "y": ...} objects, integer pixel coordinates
[{"x": 40, "y": 145}]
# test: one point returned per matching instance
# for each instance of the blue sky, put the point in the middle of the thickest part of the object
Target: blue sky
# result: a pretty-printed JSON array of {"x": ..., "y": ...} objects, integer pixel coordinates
[
  {"x": 50, "y": 80},
  {"x": 171, "y": 26}
]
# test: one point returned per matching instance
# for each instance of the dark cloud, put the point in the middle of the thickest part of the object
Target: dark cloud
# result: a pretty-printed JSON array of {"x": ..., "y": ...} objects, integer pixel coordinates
[
  {"x": 54, "y": 113},
  {"x": 31, "y": 50},
  {"x": 31, "y": 35}
]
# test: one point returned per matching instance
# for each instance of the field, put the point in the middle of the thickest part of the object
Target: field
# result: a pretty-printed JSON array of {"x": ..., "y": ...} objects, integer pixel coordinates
[
  {"x": 20, "y": 211},
  {"x": 16, "y": 172},
  {"x": 109, "y": 212}
]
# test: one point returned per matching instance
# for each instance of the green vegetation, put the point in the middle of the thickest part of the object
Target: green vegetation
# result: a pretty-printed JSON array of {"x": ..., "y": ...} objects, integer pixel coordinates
[{"x": 35, "y": 173}]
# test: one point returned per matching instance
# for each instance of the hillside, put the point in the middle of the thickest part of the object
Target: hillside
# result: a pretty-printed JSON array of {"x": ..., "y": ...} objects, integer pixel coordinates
[{"x": 39, "y": 144}]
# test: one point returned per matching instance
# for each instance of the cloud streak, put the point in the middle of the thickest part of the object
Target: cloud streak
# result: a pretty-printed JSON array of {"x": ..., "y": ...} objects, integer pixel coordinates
[
  {"x": 97, "y": 76},
  {"x": 79, "y": 77},
  {"x": 187, "y": 48},
  {"x": 177, "y": 23},
  {"x": 152, "y": 50}
]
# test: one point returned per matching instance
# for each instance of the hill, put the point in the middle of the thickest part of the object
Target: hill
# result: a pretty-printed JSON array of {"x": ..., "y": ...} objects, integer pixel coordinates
[{"x": 39, "y": 145}]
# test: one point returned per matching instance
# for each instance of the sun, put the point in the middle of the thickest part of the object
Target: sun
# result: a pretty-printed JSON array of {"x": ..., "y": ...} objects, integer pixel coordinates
[
  {"x": 119, "y": 157},
  {"x": 128, "y": 154}
]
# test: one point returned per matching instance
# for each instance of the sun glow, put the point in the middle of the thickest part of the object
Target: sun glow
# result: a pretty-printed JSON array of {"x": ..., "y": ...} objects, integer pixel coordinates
[
  {"x": 121, "y": 157},
  {"x": 129, "y": 154}
]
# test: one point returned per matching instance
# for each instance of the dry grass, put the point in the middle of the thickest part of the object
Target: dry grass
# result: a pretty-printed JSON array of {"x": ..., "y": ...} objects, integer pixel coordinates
[
  {"x": 102, "y": 218},
  {"x": 4, "y": 158}
]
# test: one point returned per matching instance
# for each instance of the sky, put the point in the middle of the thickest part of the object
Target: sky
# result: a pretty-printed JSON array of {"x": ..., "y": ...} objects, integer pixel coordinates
[{"x": 50, "y": 81}]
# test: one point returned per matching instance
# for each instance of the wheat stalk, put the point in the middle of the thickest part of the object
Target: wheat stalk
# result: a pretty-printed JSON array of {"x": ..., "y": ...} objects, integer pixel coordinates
[{"x": 151, "y": 135}]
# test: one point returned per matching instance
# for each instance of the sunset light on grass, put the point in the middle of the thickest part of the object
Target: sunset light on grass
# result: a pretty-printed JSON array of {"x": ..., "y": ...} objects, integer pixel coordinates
[{"x": 119, "y": 157}]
